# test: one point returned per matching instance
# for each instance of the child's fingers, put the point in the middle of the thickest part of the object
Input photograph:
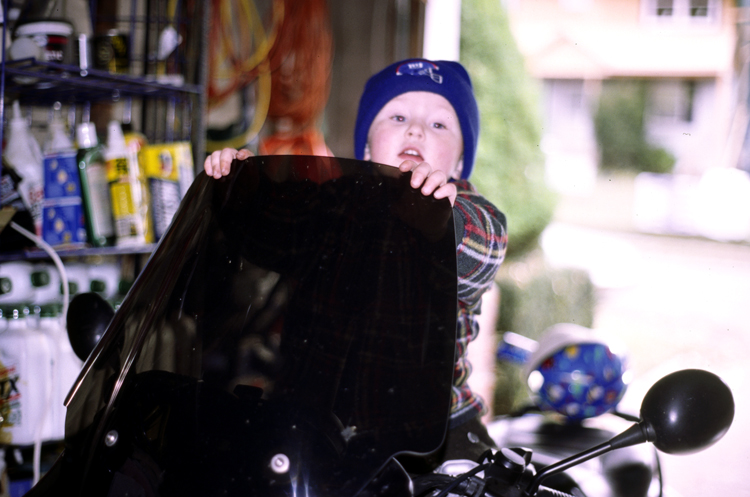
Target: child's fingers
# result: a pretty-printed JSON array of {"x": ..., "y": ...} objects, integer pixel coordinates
[
  {"x": 433, "y": 181},
  {"x": 243, "y": 154},
  {"x": 419, "y": 174},
  {"x": 429, "y": 182},
  {"x": 226, "y": 157},
  {"x": 448, "y": 191},
  {"x": 211, "y": 163},
  {"x": 219, "y": 163}
]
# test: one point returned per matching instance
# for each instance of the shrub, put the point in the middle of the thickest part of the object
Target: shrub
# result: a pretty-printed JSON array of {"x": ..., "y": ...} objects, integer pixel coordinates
[
  {"x": 620, "y": 130},
  {"x": 509, "y": 168}
]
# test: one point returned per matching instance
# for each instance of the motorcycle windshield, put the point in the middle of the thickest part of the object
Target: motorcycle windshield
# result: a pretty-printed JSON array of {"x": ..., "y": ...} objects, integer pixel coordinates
[{"x": 293, "y": 330}]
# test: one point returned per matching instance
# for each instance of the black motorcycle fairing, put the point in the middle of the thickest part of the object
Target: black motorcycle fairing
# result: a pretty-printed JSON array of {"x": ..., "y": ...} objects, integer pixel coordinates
[{"x": 336, "y": 300}]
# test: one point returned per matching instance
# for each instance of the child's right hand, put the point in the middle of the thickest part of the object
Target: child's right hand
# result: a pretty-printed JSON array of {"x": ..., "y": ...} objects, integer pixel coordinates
[{"x": 219, "y": 163}]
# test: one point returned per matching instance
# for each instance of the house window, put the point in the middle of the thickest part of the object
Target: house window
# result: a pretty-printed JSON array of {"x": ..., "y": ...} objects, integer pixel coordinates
[
  {"x": 671, "y": 100},
  {"x": 698, "y": 8},
  {"x": 681, "y": 11},
  {"x": 664, "y": 8}
]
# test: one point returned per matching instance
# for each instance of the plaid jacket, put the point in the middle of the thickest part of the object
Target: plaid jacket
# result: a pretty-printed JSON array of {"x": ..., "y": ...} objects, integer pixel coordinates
[{"x": 481, "y": 238}]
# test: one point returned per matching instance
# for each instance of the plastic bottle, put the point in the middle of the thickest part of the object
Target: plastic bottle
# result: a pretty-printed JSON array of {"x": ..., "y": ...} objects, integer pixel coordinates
[
  {"x": 78, "y": 278},
  {"x": 25, "y": 377},
  {"x": 16, "y": 282},
  {"x": 65, "y": 368},
  {"x": 63, "y": 217},
  {"x": 105, "y": 279},
  {"x": 46, "y": 282},
  {"x": 57, "y": 136},
  {"x": 97, "y": 205},
  {"x": 22, "y": 152},
  {"x": 127, "y": 190}
]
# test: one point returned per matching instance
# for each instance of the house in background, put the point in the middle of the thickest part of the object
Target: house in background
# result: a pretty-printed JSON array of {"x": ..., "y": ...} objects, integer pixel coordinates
[
  {"x": 693, "y": 56},
  {"x": 684, "y": 49}
]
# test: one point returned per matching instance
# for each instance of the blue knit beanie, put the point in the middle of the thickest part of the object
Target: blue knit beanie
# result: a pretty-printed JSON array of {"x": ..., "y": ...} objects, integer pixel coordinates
[{"x": 443, "y": 77}]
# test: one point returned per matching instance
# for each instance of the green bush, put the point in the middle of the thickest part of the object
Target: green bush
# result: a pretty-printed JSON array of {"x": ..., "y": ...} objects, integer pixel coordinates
[
  {"x": 620, "y": 130},
  {"x": 509, "y": 168},
  {"x": 533, "y": 298}
]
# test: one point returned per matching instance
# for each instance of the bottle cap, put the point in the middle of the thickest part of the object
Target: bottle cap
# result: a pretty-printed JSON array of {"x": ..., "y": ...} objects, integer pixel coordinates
[
  {"x": 86, "y": 135},
  {"x": 40, "y": 278},
  {"x": 6, "y": 286},
  {"x": 98, "y": 286},
  {"x": 116, "y": 146},
  {"x": 17, "y": 116}
]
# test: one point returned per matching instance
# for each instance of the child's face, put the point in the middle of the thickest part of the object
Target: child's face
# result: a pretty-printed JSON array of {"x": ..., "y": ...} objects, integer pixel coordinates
[{"x": 420, "y": 126}]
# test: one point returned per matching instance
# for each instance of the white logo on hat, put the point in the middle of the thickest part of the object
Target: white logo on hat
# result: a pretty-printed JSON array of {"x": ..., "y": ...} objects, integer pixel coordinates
[{"x": 420, "y": 68}]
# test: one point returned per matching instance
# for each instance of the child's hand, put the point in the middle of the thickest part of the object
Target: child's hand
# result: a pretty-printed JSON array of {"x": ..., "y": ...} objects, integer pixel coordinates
[
  {"x": 219, "y": 163},
  {"x": 429, "y": 181}
]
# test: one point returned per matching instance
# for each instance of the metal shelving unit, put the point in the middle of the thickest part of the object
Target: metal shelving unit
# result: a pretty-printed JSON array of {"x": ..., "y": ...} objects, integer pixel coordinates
[
  {"x": 64, "y": 83},
  {"x": 168, "y": 112}
]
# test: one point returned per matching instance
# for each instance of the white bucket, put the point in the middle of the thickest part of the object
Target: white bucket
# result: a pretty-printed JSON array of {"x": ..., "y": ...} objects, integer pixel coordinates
[{"x": 47, "y": 41}]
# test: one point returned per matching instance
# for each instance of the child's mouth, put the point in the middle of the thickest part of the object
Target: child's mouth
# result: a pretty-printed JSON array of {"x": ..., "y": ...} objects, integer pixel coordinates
[{"x": 411, "y": 154}]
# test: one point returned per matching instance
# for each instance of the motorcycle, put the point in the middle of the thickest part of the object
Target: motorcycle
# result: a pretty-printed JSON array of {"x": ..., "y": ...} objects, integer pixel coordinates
[
  {"x": 293, "y": 333},
  {"x": 576, "y": 378}
]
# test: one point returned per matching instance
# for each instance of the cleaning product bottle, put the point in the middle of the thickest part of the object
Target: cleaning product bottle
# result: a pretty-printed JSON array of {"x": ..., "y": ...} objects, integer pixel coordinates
[
  {"x": 25, "y": 376},
  {"x": 63, "y": 219},
  {"x": 22, "y": 152},
  {"x": 16, "y": 282},
  {"x": 105, "y": 279},
  {"x": 127, "y": 190},
  {"x": 78, "y": 278},
  {"x": 65, "y": 368},
  {"x": 46, "y": 281},
  {"x": 92, "y": 168}
]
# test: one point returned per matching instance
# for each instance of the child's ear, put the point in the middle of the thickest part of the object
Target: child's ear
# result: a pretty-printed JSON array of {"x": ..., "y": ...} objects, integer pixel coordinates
[
  {"x": 367, "y": 155},
  {"x": 458, "y": 169}
]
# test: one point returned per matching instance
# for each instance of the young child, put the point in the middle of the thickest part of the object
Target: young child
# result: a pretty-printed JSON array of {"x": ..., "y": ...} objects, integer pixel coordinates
[{"x": 421, "y": 116}]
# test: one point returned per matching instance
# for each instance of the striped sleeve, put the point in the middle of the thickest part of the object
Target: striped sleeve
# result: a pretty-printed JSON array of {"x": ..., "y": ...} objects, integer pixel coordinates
[{"x": 481, "y": 238}]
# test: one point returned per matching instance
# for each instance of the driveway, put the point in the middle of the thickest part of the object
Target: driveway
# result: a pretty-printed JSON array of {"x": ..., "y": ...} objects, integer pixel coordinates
[{"x": 675, "y": 303}]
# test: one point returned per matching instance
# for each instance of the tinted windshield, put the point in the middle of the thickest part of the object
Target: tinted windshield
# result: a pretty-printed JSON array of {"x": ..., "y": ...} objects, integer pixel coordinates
[{"x": 293, "y": 330}]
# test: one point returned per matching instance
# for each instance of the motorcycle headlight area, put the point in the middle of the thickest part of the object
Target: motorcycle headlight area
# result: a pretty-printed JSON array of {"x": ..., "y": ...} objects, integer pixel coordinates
[{"x": 577, "y": 376}]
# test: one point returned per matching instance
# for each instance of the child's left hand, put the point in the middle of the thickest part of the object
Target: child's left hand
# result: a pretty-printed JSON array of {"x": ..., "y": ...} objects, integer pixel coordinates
[{"x": 429, "y": 181}]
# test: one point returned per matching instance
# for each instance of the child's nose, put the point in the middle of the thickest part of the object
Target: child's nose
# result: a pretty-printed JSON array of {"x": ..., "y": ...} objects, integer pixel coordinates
[{"x": 415, "y": 130}]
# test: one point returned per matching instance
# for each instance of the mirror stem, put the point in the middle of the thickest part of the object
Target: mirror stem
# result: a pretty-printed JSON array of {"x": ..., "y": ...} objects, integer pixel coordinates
[{"x": 636, "y": 434}]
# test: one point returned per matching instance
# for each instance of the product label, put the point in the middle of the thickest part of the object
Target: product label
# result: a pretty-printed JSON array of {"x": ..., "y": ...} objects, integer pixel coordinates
[
  {"x": 165, "y": 200},
  {"x": 61, "y": 176},
  {"x": 122, "y": 201},
  {"x": 63, "y": 222},
  {"x": 129, "y": 197},
  {"x": 10, "y": 401},
  {"x": 117, "y": 169},
  {"x": 101, "y": 208}
]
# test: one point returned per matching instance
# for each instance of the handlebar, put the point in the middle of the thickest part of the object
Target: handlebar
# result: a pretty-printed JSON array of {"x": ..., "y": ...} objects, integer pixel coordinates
[{"x": 470, "y": 485}]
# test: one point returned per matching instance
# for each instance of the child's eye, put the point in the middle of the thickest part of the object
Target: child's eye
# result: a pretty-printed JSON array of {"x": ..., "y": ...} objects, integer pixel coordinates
[
  {"x": 438, "y": 125},
  {"x": 399, "y": 118}
]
